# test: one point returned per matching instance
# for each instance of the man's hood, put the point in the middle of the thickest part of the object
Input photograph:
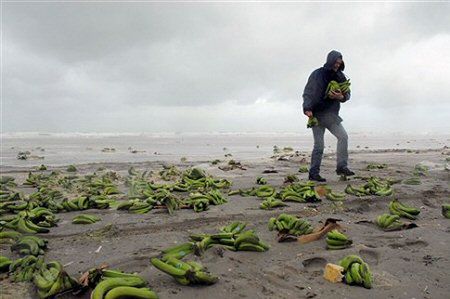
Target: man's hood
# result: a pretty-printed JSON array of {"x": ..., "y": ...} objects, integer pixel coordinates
[{"x": 331, "y": 59}]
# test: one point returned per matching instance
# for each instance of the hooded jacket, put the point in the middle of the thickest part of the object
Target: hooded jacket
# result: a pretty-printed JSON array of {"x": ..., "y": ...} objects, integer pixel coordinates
[{"x": 314, "y": 99}]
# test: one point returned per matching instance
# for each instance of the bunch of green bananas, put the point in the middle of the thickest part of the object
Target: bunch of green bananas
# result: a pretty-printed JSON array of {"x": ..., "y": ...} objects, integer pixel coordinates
[
  {"x": 179, "y": 251},
  {"x": 100, "y": 202},
  {"x": 300, "y": 192},
  {"x": 24, "y": 268},
  {"x": 421, "y": 170},
  {"x": 303, "y": 169},
  {"x": 51, "y": 279},
  {"x": 291, "y": 178},
  {"x": 412, "y": 181},
  {"x": 289, "y": 224},
  {"x": 76, "y": 204},
  {"x": 116, "y": 284},
  {"x": 372, "y": 166},
  {"x": 343, "y": 87},
  {"x": 262, "y": 191},
  {"x": 337, "y": 240},
  {"x": 85, "y": 219},
  {"x": 24, "y": 225},
  {"x": 30, "y": 245},
  {"x": 169, "y": 172},
  {"x": 389, "y": 222},
  {"x": 356, "y": 271},
  {"x": 71, "y": 168},
  {"x": 9, "y": 237},
  {"x": 312, "y": 122},
  {"x": 136, "y": 206},
  {"x": 402, "y": 210},
  {"x": 374, "y": 186},
  {"x": 270, "y": 203},
  {"x": 199, "y": 202},
  {"x": 185, "y": 273},
  {"x": 167, "y": 199},
  {"x": 333, "y": 196},
  {"x": 446, "y": 210},
  {"x": 261, "y": 181},
  {"x": 4, "y": 263},
  {"x": 232, "y": 237}
]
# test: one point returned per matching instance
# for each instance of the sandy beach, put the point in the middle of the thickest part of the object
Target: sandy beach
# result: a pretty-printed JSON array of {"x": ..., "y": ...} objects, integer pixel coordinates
[{"x": 411, "y": 263}]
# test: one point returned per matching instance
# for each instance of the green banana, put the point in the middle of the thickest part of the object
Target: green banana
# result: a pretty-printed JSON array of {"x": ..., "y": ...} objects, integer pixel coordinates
[
  {"x": 446, "y": 211},
  {"x": 348, "y": 260},
  {"x": 110, "y": 283},
  {"x": 123, "y": 292}
]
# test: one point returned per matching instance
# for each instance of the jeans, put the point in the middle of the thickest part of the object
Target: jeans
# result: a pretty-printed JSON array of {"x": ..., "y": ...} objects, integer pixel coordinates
[{"x": 342, "y": 147}]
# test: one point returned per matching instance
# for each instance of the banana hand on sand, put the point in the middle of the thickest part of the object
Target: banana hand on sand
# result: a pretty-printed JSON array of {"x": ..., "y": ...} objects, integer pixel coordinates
[
  {"x": 446, "y": 210},
  {"x": 356, "y": 271},
  {"x": 337, "y": 240},
  {"x": 85, "y": 219},
  {"x": 402, "y": 210},
  {"x": 389, "y": 222},
  {"x": 30, "y": 245},
  {"x": 51, "y": 279},
  {"x": 289, "y": 224}
]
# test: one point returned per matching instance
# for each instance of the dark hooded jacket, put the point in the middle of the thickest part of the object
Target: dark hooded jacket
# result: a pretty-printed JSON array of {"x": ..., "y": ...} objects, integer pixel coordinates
[{"x": 314, "y": 99}]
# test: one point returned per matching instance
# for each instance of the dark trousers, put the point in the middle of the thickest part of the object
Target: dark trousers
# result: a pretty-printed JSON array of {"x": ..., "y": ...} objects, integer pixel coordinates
[{"x": 342, "y": 146}]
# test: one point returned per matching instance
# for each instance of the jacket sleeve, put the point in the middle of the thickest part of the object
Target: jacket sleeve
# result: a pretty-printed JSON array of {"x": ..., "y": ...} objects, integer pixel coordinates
[
  {"x": 346, "y": 97},
  {"x": 310, "y": 93}
]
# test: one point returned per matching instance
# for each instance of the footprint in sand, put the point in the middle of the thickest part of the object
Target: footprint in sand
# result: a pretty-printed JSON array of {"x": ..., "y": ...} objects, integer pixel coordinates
[
  {"x": 314, "y": 263},
  {"x": 370, "y": 256},
  {"x": 409, "y": 244}
]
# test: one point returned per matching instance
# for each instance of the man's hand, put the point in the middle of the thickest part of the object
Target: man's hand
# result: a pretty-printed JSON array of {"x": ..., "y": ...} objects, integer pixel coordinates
[
  {"x": 308, "y": 113},
  {"x": 336, "y": 95}
]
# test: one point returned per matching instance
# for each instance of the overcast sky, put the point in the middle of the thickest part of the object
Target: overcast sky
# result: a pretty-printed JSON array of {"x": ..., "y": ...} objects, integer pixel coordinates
[{"x": 149, "y": 67}]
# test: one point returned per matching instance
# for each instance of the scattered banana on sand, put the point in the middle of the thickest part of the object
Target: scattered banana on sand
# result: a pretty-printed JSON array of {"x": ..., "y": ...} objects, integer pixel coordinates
[
  {"x": 356, "y": 271},
  {"x": 289, "y": 224},
  {"x": 85, "y": 219},
  {"x": 337, "y": 240},
  {"x": 402, "y": 210}
]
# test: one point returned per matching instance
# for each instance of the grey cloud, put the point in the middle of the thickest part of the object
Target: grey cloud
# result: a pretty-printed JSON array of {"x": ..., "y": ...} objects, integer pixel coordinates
[{"x": 90, "y": 60}]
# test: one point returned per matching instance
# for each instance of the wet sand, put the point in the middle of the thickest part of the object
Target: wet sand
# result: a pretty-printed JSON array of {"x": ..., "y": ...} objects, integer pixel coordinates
[{"x": 413, "y": 263}]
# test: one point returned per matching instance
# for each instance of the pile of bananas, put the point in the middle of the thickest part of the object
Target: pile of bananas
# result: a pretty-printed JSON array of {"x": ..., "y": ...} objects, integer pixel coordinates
[
  {"x": 337, "y": 240},
  {"x": 372, "y": 166},
  {"x": 270, "y": 203},
  {"x": 232, "y": 237},
  {"x": 4, "y": 263},
  {"x": 374, "y": 186},
  {"x": 262, "y": 192},
  {"x": 23, "y": 224},
  {"x": 200, "y": 202},
  {"x": 300, "y": 192},
  {"x": 289, "y": 224},
  {"x": 312, "y": 122},
  {"x": 9, "y": 237},
  {"x": 169, "y": 172},
  {"x": 30, "y": 245},
  {"x": 196, "y": 178},
  {"x": 136, "y": 206},
  {"x": 333, "y": 196},
  {"x": 421, "y": 170},
  {"x": 51, "y": 279},
  {"x": 402, "y": 210},
  {"x": 446, "y": 210},
  {"x": 71, "y": 168},
  {"x": 356, "y": 271},
  {"x": 303, "y": 169},
  {"x": 76, "y": 204},
  {"x": 24, "y": 268},
  {"x": 185, "y": 273},
  {"x": 85, "y": 219},
  {"x": 116, "y": 284},
  {"x": 343, "y": 87},
  {"x": 389, "y": 222}
]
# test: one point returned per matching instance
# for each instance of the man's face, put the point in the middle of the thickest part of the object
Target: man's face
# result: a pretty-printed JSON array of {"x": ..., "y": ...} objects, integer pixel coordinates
[{"x": 337, "y": 64}]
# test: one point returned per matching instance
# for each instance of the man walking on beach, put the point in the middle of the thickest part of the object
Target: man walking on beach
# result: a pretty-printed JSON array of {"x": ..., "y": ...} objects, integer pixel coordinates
[{"x": 326, "y": 109}]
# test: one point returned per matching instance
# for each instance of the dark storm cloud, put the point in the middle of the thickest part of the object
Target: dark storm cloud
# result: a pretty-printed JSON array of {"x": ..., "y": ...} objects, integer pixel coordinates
[{"x": 88, "y": 62}]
